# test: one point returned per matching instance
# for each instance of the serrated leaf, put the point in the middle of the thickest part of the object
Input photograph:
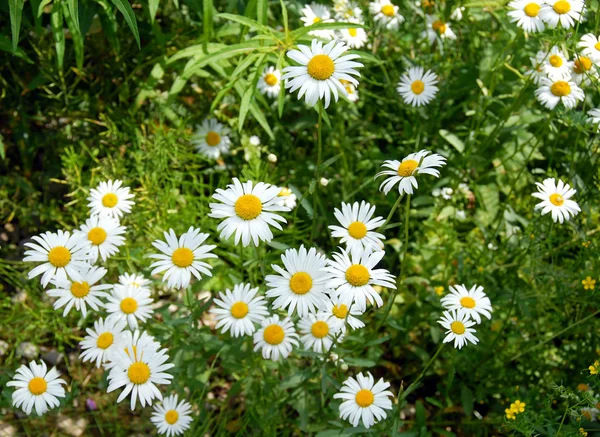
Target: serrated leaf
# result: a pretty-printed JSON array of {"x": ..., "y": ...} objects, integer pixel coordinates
[
  {"x": 15, "y": 8},
  {"x": 127, "y": 11}
]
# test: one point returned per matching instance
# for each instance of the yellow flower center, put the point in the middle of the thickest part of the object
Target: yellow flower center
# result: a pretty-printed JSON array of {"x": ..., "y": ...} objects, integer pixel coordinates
[
  {"x": 560, "y": 88},
  {"x": 285, "y": 192},
  {"x": 109, "y": 200},
  {"x": 352, "y": 31},
  {"x": 319, "y": 329},
  {"x": 467, "y": 302},
  {"x": 37, "y": 386},
  {"x": 439, "y": 26},
  {"x": 457, "y": 328},
  {"x": 97, "y": 236},
  {"x": 59, "y": 256},
  {"x": 213, "y": 139},
  {"x": 388, "y": 10},
  {"x": 300, "y": 283},
  {"x": 597, "y": 46},
  {"x": 340, "y": 311},
  {"x": 349, "y": 89},
  {"x": 417, "y": 87},
  {"x": 357, "y": 275},
  {"x": 320, "y": 67},
  {"x": 138, "y": 373},
  {"x": 270, "y": 79},
  {"x": 80, "y": 289},
  {"x": 129, "y": 305},
  {"x": 239, "y": 310},
  {"x": 248, "y": 207},
  {"x": 582, "y": 64},
  {"x": 182, "y": 257},
  {"x": 316, "y": 20},
  {"x": 407, "y": 168},
  {"x": 364, "y": 398},
  {"x": 531, "y": 9},
  {"x": 171, "y": 417},
  {"x": 273, "y": 334},
  {"x": 562, "y": 7},
  {"x": 557, "y": 199},
  {"x": 357, "y": 230},
  {"x": 555, "y": 61},
  {"x": 105, "y": 340}
]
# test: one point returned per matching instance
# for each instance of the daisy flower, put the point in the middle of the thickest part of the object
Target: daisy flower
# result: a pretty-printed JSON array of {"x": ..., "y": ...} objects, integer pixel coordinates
[
  {"x": 473, "y": 302},
  {"x": 403, "y": 172},
  {"x": 458, "y": 325},
  {"x": 552, "y": 92},
  {"x": 80, "y": 290},
  {"x": 582, "y": 70},
  {"x": 338, "y": 314},
  {"x": 437, "y": 29},
  {"x": 180, "y": 259},
  {"x": 556, "y": 198},
  {"x": 300, "y": 285},
  {"x": 320, "y": 70},
  {"x": 102, "y": 341},
  {"x": 565, "y": 12},
  {"x": 536, "y": 73},
  {"x": 556, "y": 65},
  {"x": 594, "y": 117},
  {"x": 317, "y": 332},
  {"x": 347, "y": 10},
  {"x": 269, "y": 83},
  {"x": 135, "y": 280},
  {"x": 355, "y": 37},
  {"x": 132, "y": 339},
  {"x": 110, "y": 199},
  {"x": 364, "y": 399},
  {"x": 385, "y": 13},
  {"x": 526, "y": 14},
  {"x": 103, "y": 236},
  {"x": 61, "y": 255},
  {"x": 129, "y": 303},
  {"x": 317, "y": 13},
  {"x": 358, "y": 226},
  {"x": 248, "y": 211},
  {"x": 353, "y": 275},
  {"x": 172, "y": 417},
  {"x": 418, "y": 87},
  {"x": 36, "y": 386},
  {"x": 287, "y": 198},
  {"x": 457, "y": 13},
  {"x": 351, "y": 92},
  {"x": 275, "y": 338},
  {"x": 239, "y": 309},
  {"x": 211, "y": 139},
  {"x": 590, "y": 46},
  {"x": 254, "y": 140}
]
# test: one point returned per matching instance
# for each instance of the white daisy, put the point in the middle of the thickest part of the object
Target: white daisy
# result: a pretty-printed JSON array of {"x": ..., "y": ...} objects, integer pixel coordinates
[
  {"x": 80, "y": 290},
  {"x": 269, "y": 83},
  {"x": 437, "y": 29},
  {"x": 254, "y": 140},
  {"x": 363, "y": 399},
  {"x": 590, "y": 46},
  {"x": 136, "y": 280},
  {"x": 132, "y": 339},
  {"x": 275, "y": 338},
  {"x": 594, "y": 117},
  {"x": 346, "y": 10},
  {"x": 457, "y": 13},
  {"x": 353, "y": 275},
  {"x": 103, "y": 236},
  {"x": 474, "y": 302},
  {"x": 385, "y": 13},
  {"x": 358, "y": 226},
  {"x": 565, "y": 12},
  {"x": 62, "y": 255},
  {"x": 556, "y": 65},
  {"x": 301, "y": 285},
  {"x": 180, "y": 259},
  {"x": 36, "y": 386},
  {"x": 102, "y": 341},
  {"x": 317, "y": 332},
  {"x": 536, "y": 73},
  {"x": 321, "y": 68},
  {"x": 248, "y": 211},
  {"x": 211, "y": 139},
  {"x": 526, "y": 14},
  {"x": 421, "y": 162},
  {"x": 338, "y": 314},
  {"x": 582, "y": 70},
  {"x": 172, "y": 417},
  {"x": 287, "y": 198},
  {"x": 317, "y": 13},
  {"x": 110, "y": 199},
  {"x": 239, "y": 310},
  {"x": 418, "y": 87},
  {"x": 355, "y": 37},
  {"x": 556, "y": 198},
  {"x": 458, "y": 325},
  {"x": 129, "y": 303},
  {"x": 351, "y": 92},
  {"x": 552, "y": 92}
]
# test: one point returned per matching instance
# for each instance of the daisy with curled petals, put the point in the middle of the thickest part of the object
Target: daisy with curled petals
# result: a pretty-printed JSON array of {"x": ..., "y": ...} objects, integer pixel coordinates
[
  {"x": 365, "y": 400},
  {"x": 526, "y": 14},
  {"x": 594, "y": 117},
  {"x": 181, "y": 258},
  {"x": 287, "y": 198},
  {"x": 110, "y": 199},
  {"x": 537, "y": 73},
  {"x": 248, "y": 211},
  {"x": 138, "y": 281},
  {"x": 102, "y": 341},
  {"x": 437, "y": 28},
  {"x": 458, "y": 325},
  {"x": 347, "y": 10},
  {"x": 352, "y": 276},
  {"x": 385, "y": 14},
  {"x": 352, "y": 93},
  {"x": 556, "y": 65},
  {"x": 62, "y": 255},
  {"x": 37, "y": 387},
  {"x": 320, "y": 70},
  {"x": 275, "y": 338},
  {"x": 339, "y": 313},
  {"x": 565, "y": 12},
  {"x": 590, "y": 46},
  {"x": 317, "y": 13},
  {"x": 403, "y": 173},
  {"x": 583, "y": 70},
  {"x": 173, "y": 417},
  {"x": 238, "y": 310},
  {"x": 269, "y": 82},
  {"x": 474, "y": 302},
  {"x": 355, "y": 37},
  {"x": 300, "y": 285},
  {"x": 556, "y": 198},
  {"x": 358, "y": 226},
  {"x": 103, "y": 236},
  {"x": 317, "y": 332},
  {"x": 211, "y": 139},
  {"x": 552, "y": 92},
  {"x": 129, "y": 303},
  {"x": 80, "y": 290},
  {"x": 418, "y": 87}
]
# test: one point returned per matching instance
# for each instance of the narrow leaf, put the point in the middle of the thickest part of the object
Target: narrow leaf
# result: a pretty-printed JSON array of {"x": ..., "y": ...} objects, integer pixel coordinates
[
  {"x": 42, "y": 6},
  {"x": 125, "y": 9},
  {"x": 261, "y": 11},
  {"x": 73, "y": 6},
  {"x": 207, "y": 20},
  {"x": 16, "y": 11},
  {"x": 245, "y": 21},
  {"x": 152, "y": 8},
  {"x": 56, "y": 21},
  {"x": 75, "y": 36},
  {"x": 249, "y": 93}
]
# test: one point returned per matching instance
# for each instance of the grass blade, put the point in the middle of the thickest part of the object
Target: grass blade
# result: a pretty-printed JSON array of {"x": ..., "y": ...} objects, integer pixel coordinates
[
  {"x": 16, "y": 12},
  {"x": 56, "y": 21},
  {"x": 125, "y": 9}
]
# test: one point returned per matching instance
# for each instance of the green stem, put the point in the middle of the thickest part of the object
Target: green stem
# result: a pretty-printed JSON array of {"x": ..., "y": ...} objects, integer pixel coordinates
[
  {"x": 413, "y": 385},
  {"x": 317, "y": 172},
  {"x": 563, "y": 420},
  {"x": 390, "y": 215}
]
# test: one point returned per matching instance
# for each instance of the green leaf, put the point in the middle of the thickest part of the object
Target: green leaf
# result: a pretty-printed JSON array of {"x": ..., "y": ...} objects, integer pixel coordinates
[
  {"x": 285, "y": 19},
  {"x": 16, "y": 11},
  {"x": 249, "y": 22},
  {"x": 6, "y": 46},
  {"x": 359, "y": 362},
  {"x": 73, "y": 7},
  {"x": 262, "y": 11},
  {"x": 56, "y": 22},
  {"x": 207, "y": 21},
  {"x": 75, "y": 35},
  {"x": 321, "y": 26},
  {"x": 453, "y": 140},
  {"x": 152, "y": 8},
  {"x": 466, "y": 397},
  {"x": 249, "y": 93},
  {"x": 125, "y": 9},
  {"x": 2, "y": 151},
  {"x": 42, "y": 6},
  {"x": 225, "y": 53}
]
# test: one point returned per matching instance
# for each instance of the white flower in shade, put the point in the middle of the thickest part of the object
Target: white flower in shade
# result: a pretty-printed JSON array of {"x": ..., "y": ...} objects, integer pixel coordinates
[
  {"x": 80, "y": 290},
  {"x": 110, "y": 199},
  {"x": 403, "y": 173},
  {"x": 536, "y": 73},
  {"x": 102, "y": 341},
  {"x": 352, "y": 276},
  {"x": 351, "y": 92},
  {"x": 526, "y": 14},
  {"x": 287, "y": 198},
  {"x": 172, "y": 417},
  {"x": 385, "y": 13},
  {"x": 346, "y": 10},
  {"x": 457, "y": 14},
  {"x": 552, "y": 92},
  {"x": 458, "y": 325},
  {"x": 418, "y": 87},
  {"x": 324, "y": 182},
  {"x": 556, "y": 198},
  {"x": 364, "y": 399},
  {"x": 594, "y": 117},
  {"x": 269, "y": 83},
  {"x": 211, "y": 139},
  {"x": 138, "y": 281},
  {"x": 37, "y": 387},
  {"x": 437, "y": 29},
  {"x": 271, "y": 157},
  {"x": 103, "y": 236},
  {"x": 300, "y": 285},
  {"x": 358, "y": 226},
  {"x": 238, "y": 310},
  {"x": 181, "y": 258},
  {"x": 589, "y": 414},
  {"x": 339, "y": 314},
  {"x": 317, "y": 332},
  {"x": 139, "y": 368},
  {"x": 129, "y": 303},
  {"x": 474, "y": 302},
  {"x": 556, "y": 66},
  {"x": 275, "y": 338},
  {"x": 254, "y": 140},
  {"x": 355, "y": 37},
  {"x": 565, "y": 12},
  {"x": 320, "y": 70},
  {"x": 590, "y": 46},
  {"x": 317, "y": 13},
  {"x": 583, "y": 70},
  {"x": 248, "y": 211},
  {"x": 62, "y": 255}
]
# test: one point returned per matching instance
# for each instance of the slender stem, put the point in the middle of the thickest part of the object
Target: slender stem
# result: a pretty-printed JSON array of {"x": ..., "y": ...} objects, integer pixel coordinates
[
  {"x": 317, "y": 172},
  {"x": 389, "y": 217},
  {"x": 260, "y": 264},
  {"x": 563, "y": 420},
  {"x": 410, "y": 388}
]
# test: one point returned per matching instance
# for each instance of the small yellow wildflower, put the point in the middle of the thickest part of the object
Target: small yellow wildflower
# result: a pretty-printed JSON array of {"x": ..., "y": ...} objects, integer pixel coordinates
[
  {"x": 510, "y": 414},
  {"x": 594, "y": 368},
  {"x": 517, "y": 406},
  {"x": 585, "y": 244},
  {"x": 589, "y": 283},
  {"x": 439, "y": 290},
  {"x": 583, "y": 432},
  {"x": 583, "y": 387},
  {"x": 480, "y": 269}
]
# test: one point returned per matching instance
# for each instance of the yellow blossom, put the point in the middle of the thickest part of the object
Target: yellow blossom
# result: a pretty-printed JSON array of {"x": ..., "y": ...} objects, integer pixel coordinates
[
  {"x": 585, "y": 244},
  {"x": 589, "y": 283},
  {"x": 594, "y": 368},
  {"x": 582, "y": 432},
  {"x": 517, "y": 406},
  {"x": 583, "y": 387},
  {"x": 439, "y": 290},
  {"x": 510, "y": 414}
]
